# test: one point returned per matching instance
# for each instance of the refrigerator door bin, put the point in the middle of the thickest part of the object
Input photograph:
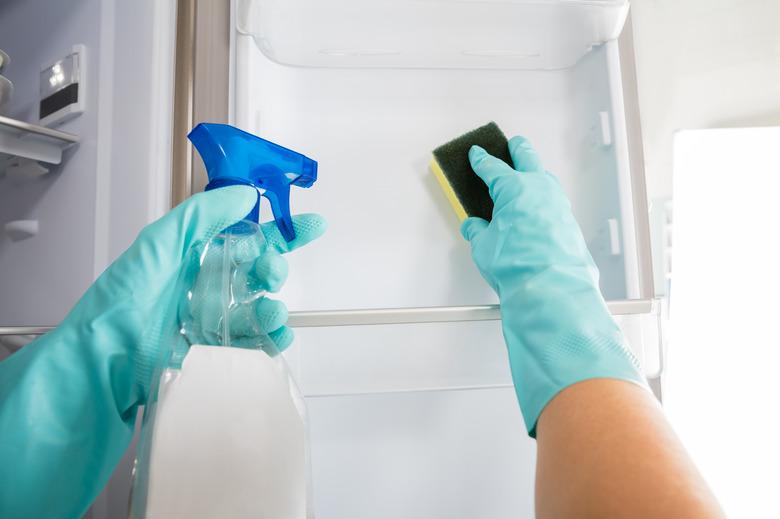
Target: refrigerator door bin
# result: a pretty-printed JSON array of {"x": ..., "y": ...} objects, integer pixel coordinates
[
  {"x": 335, "y": 361},
  {"x": 393, "y": 239},
  {"x": 480, "y": 34},
  {"x": 421, "y": 420}
]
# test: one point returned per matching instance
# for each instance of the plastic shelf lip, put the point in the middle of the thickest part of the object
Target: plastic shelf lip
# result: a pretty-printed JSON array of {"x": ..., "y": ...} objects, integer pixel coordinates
[
  {"x": 21, "y": 229},
  {"x": 30, "y": 141},
  {"x": 438, "y": 389},
  {"x": 307, "y": 319},
  {"x": 25, "y": 127},
  {"x": 440, "y": 314},
  {"x": 378, "y": 316},
  {"x": 25, "y": 330}
]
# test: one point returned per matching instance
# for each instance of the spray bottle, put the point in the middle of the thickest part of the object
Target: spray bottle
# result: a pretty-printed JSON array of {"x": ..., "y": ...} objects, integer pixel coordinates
[{"x": 224, "y": 432}]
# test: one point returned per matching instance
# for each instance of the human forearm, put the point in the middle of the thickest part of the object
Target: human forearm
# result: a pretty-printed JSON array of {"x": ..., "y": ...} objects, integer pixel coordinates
[{"x": 606, "y": 450}]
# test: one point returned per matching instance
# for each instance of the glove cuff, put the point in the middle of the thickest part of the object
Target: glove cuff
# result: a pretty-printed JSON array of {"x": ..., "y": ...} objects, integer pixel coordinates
[{"x": 573, "y": 358}]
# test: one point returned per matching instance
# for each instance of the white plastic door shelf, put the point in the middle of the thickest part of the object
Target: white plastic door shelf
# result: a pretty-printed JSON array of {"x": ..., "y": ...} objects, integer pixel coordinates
[
  {"x": 478, "y": 34},
  {"x": 22, "y": 140}
]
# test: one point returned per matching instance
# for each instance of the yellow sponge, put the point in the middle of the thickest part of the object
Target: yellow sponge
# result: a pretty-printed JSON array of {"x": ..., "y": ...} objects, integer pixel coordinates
[
  {"x": 450, "y": 164},
  {"x": 448, "y": 191}
]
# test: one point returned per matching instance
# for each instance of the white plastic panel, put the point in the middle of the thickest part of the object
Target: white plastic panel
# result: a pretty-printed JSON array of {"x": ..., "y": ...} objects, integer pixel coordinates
[
  {"x": 454, "y": 455},
  {"x": 484, "y": 34},
  {"x": 398, "y": 358},
  {"x": 394, "y": 240}
]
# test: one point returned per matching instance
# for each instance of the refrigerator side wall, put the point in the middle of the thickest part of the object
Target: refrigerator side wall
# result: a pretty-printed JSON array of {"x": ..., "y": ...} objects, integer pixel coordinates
[{"x": 41, "y": 277}]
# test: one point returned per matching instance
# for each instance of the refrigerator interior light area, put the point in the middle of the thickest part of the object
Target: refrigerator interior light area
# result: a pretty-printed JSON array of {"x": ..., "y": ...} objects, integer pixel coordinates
[{"x": 420, "y": 420}]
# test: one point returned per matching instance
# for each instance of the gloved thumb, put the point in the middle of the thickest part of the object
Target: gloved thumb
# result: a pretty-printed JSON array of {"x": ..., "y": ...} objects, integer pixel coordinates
[{"x": 472, "y": 228}]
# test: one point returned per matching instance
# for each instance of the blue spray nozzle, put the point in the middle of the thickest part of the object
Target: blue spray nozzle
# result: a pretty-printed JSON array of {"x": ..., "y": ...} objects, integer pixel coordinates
[{"x": 233, "y": 156}]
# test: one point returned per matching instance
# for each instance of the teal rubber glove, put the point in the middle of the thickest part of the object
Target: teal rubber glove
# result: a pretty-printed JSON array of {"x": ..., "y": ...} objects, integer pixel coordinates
[
  {"x": 68, "y": 401},
  {"x": 556, "y": 324}
]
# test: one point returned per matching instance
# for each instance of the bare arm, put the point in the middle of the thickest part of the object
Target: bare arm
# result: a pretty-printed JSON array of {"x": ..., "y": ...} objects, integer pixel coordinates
[{"x": 605, "y": 449}]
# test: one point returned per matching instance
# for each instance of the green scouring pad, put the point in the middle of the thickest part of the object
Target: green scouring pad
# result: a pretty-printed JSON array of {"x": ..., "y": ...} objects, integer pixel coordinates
[{"x": 467, "y": 193}]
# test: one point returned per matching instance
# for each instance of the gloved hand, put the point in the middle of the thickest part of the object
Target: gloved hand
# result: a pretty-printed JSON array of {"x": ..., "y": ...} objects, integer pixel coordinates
[
  {"x": 68, "y": 401},
  {"x": 555, "y": 322},
  {"x": 257, "y": 267}
]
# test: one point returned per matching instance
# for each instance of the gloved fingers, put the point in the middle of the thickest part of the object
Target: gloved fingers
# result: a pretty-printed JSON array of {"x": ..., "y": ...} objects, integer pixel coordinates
[
  {"x": 282, "y": 338},
  {"x": 307, "y": 227},
  {"x": 198, "y": 218},
  {"x": 472, "y": 228},
  {"x": 489, "y": 168},
  {"x": 250, "y": 321},
  {"x": 269, "y": 272},
  {"x": 524, "y": 156},
  {"x": 271, "y": 314}
]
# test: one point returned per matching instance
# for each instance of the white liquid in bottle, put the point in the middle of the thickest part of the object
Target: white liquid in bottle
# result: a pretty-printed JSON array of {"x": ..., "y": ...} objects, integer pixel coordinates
[{"x": 228, "y": 440}]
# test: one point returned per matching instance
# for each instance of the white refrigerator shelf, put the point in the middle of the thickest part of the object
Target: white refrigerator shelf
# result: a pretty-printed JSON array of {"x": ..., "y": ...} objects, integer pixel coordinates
[{"x": 23, "y": 140}]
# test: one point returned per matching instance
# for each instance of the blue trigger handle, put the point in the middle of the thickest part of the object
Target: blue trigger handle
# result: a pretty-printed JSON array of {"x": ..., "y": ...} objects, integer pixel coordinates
[
  {"x": 235, "y": 157},
  {"x": 280, "y": 207}
]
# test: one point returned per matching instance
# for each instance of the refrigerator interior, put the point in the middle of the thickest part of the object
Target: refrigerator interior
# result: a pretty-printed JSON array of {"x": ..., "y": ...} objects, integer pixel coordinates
[{"x": 420, "y": 420}]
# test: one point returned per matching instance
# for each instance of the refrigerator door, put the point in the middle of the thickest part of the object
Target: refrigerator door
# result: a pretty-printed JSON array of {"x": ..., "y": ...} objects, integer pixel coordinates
[{"x": 416, "y": 417}]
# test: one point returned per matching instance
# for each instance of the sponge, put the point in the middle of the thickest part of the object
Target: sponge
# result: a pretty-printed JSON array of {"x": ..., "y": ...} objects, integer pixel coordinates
[{"x": 450, "y": 164}]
